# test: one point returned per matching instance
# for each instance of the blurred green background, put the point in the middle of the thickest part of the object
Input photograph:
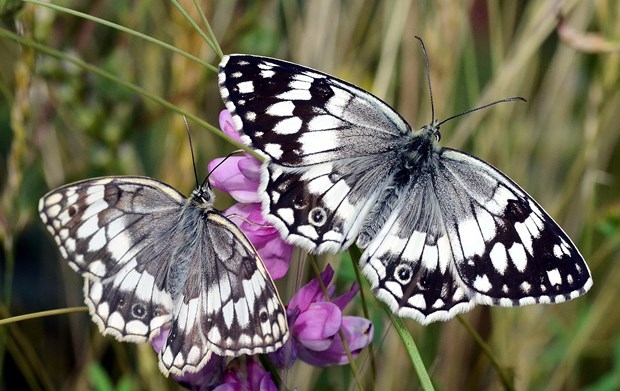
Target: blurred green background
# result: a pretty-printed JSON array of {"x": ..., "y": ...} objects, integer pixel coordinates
[{"x": 60, "y": 123}]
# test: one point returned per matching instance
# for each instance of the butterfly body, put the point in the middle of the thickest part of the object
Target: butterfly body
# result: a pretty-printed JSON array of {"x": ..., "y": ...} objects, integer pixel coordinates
[
  {"x": 441, "y": 230},
  {"x": 154, "y": 259}
]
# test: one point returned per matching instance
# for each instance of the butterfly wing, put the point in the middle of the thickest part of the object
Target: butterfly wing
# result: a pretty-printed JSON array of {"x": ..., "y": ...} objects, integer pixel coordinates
[
  {"x": 104, "y": 229},
  {"x": 331, "y": 146},
  {"x": 480, "y": 240},
  {"x": 152, "y": 258},
  {"x": 228, "y": 304}
]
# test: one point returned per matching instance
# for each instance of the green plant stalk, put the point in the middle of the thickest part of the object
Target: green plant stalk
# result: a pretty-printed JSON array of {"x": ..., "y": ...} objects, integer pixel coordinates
[
  {"x": 412, "y": 350},
  {"x": 204, "y": 36},
  {"x": 138, "y": 90},
  {"x": 216, "y": 45},
  {"x": 503, "y": 376},
  {"x": 125, "y": 30},
  {"x": 355, "y": 253},
  {"x": 42, "y": 314}
]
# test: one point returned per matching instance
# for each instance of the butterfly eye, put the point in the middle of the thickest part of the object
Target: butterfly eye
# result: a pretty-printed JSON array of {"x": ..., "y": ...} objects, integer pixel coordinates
[
  {"x": 403, "y": 273},
  {"x": 317, "y": 216},
  {"x": 138, "y": 311}
]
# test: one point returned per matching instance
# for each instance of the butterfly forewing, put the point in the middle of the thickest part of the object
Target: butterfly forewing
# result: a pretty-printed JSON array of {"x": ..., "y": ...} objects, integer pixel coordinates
[
  {"x": 442, "y": 230},
  {"x": 153, "y": 258},
  {"x": 319, "y": 182},
  {"x": 103, "y": 228}
]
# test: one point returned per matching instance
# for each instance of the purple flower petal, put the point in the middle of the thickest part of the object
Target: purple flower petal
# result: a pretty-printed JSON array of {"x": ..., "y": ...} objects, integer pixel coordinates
[
  {"x": 344, "y": 299},
  {"x": 226, "y": 124},
  {"x": 275, "y": 253},
  {"x": 358, "y": 333},
  {"x": 315, "y": 327},
  {"x": 227, "y": 176},
  {"x": 311, "y": 292},
  {"x": 251, "y": 168},
  {"x": 250, "y": 377}
]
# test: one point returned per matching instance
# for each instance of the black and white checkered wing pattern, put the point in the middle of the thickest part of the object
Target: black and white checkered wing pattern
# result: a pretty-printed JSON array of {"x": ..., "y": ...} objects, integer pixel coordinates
[
  {"x": 320, "y": 182},
  {"x": 154, "y": 259},
  {"x": 103, "y": 229},
  {"x": 442, "y": 230},
  {"x": 442, "y": 252},
  {"x": 236, "y": 312}
]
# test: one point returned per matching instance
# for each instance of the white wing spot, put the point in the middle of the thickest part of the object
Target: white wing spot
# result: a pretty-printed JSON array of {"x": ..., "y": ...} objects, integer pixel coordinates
[
  {"x": 525, "y": 236},
  {"x": 246, "y": 87},
  {"x": 430, "y": 256},
  {"x": 295, "y": 95},
  {"x": 482, "y": 283},
  {"x": 471, "y": 238},
  {"x": 518, "y": 256},
  {"x": 250, "y": 116},
  {"x": 395, "y": 288},
  {"x": 98, "y": 241},
  {"x": 53, "y": 199},
  {"x": 308, "y": 77},
  {"x": 300, "y": 85},
  {"x": 290, "y": 125},
  {"x": 287, "y": 215},
  {"x": 228, "y": 313},
  {"x": 274, "y": 150},
  {"x": 97, "y": 268},
  {"x": 486, "y": 224},
  {"x": 417, "y": 301},
  {"x": 338, "y": 103},
  {"x": 525, "y": 287},
  {"x": 499, "y": 257},
  {"x": 308, "y": 231},
  {"x": 555, "y": 278},
  {"x": 281, "y": 109}
]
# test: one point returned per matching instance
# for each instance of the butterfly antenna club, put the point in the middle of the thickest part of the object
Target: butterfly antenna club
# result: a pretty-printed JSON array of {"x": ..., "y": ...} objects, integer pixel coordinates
[{"x": 512, "y": 99}]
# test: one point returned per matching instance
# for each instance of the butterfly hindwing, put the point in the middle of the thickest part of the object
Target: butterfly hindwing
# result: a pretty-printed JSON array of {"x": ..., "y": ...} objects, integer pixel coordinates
[
  {"x": 239, "y": 312},
  {"x": 442, "y": 230},
  {"x": 154, "y": 259},
  {"x": 434, "y": 259}
]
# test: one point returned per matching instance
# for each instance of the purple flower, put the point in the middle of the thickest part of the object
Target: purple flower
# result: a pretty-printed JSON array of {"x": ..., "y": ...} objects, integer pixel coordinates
[
  {"x": 240, "y": 176},
  {"x": 315, "y": 322},
  {"x": 249, "y": 377}
]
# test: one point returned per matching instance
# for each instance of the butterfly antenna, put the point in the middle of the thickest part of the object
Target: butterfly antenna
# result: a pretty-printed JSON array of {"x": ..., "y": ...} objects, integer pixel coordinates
[
  {"x": 191, "y": 148},
  {"x": 514, "y": 98},
  {"x": 428, "y": 78},
  {"x": 220, "y": 163}
]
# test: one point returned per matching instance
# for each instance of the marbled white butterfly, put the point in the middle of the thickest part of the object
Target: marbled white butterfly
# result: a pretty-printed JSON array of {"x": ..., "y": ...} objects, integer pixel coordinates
[
  {"x": 152, "y": 258},
  {"x": 442, "y": 230}
]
